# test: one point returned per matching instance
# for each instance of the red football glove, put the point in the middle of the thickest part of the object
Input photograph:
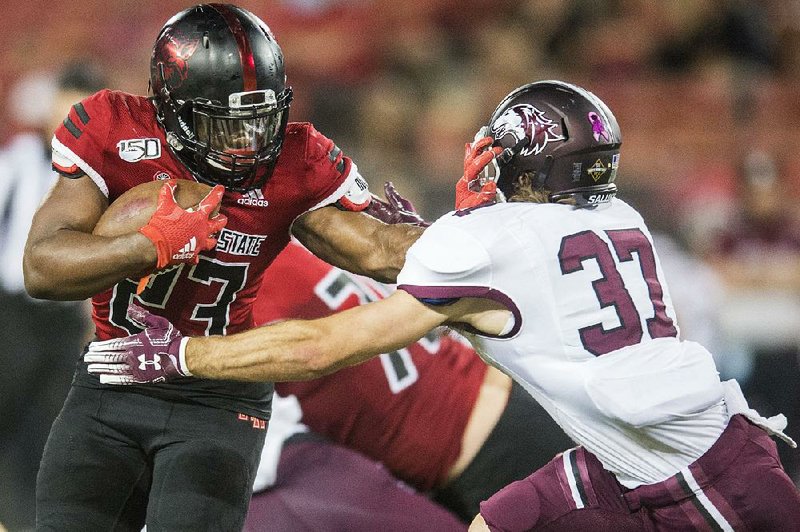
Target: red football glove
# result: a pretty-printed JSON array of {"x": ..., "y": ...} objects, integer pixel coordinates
[
  {"x": 476, "y": 157},
  {"x": 395, "y": 210},
  {"x": 180, "y": 235}
]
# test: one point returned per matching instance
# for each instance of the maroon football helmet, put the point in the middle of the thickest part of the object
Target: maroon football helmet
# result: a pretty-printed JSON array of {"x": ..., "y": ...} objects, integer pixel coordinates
[
  {"x": 219, "y": 86},
  {"x": 561, "y": 134}
]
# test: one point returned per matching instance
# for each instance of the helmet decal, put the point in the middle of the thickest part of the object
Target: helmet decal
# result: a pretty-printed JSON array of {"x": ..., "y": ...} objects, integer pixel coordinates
[
  {"x": 176, "y": 53},
  {"x": 242, "y": 42},
  {"x": 598, "y": 127},
  {"x": 596, "y": 170},
  {"x": 525, "y": 121}
]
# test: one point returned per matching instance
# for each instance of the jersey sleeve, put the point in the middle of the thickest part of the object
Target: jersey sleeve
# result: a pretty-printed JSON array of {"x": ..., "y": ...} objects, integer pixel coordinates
[
  {"x": 446, "y": 263},
  {"x": 347, "y": 189},
  {"x": 79, "y": 142}
]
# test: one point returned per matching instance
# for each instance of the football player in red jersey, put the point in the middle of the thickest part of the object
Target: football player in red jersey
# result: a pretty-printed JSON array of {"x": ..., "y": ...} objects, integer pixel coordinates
[
  {"x": 183, "y": 455},
  {"x": 432, "y": 412}
]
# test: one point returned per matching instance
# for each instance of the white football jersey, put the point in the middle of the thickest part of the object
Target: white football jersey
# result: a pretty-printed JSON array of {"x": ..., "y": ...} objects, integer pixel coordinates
[{"x": 593, "y": 338}]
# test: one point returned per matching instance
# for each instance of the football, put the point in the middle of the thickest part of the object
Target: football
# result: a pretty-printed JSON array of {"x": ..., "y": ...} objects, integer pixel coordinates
[{"x": 133, "y": 209}]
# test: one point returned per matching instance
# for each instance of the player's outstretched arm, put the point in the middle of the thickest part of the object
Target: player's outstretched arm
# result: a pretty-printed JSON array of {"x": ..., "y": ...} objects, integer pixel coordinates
[
  {"x": 357, "y": 242},
  {"x": 286, "y": 351}
]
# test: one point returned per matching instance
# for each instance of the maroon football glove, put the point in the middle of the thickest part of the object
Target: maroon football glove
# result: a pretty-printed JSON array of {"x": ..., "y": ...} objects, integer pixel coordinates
[
  {"x": 395, "y": 210},
  {"x": 154, "y": 355}
]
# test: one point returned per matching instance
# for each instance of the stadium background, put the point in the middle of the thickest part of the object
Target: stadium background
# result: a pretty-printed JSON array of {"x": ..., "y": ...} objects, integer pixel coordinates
[{"x": 698, "y": 86}]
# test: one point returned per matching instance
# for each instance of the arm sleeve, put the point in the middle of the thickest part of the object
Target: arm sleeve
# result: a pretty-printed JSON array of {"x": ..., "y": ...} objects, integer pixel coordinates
[
  {"x": 79, "y": 142},
  {"x": 350, "y": 190}
]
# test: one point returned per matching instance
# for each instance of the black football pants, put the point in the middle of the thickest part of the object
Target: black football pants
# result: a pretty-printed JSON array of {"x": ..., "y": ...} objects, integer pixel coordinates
[{"x": 115, "y": 459}]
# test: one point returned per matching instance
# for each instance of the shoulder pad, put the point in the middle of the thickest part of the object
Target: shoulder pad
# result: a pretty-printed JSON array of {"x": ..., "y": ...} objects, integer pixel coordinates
[{"x": 446, "y": 252}]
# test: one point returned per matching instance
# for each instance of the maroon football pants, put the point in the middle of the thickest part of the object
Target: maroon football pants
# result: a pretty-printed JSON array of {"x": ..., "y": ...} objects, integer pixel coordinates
[
  {"x": 738, "y": 484},
  {"x": 324, "y": 486}
]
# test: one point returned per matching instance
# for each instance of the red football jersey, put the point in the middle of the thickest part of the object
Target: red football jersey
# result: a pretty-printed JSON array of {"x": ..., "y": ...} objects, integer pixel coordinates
[
  {"x": 116, "y": 140},
  {"x": 383, "y": 406}
]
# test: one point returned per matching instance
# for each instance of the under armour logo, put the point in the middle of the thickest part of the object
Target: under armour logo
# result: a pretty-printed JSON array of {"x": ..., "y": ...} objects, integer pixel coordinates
[{"x": 143, "y": 362}]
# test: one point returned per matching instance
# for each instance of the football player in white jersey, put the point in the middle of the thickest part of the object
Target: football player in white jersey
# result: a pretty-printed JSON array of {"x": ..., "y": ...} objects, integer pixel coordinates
[{"x": 559, "y": 284}]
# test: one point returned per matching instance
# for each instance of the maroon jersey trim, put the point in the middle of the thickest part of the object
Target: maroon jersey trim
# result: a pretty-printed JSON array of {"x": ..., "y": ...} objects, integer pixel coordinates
[{"x": 457, "y": 292}]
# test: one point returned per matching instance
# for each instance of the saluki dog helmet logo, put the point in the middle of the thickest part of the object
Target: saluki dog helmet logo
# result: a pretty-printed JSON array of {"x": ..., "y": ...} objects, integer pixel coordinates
[{"x": 525, "y": 121}]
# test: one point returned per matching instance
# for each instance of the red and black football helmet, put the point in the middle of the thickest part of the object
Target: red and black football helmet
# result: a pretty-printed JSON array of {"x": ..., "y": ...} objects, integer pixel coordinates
[
  {"x": 563, "y": 136},
  {"x": 218, "y": 82}
]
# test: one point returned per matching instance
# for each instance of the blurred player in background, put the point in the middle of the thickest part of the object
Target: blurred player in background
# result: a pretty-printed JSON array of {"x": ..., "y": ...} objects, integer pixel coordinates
[
  {"x": 432, "y": 412},
  {"x": 761, "y": 310},
  {"x": 39, "y": 338},
  {"x": 184, "y": 455},
  {"x": 306, "y": 482},
  {"x": 561, "y": 288}
]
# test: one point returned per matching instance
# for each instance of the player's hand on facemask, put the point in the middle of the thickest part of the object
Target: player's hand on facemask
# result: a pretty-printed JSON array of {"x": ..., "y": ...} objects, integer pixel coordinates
[
  {"x": 154, "y": 355},
  {"x": 179, "y": 235},
  {"x": 395, "y": 209},
  {"x": 469, "y": 192}
]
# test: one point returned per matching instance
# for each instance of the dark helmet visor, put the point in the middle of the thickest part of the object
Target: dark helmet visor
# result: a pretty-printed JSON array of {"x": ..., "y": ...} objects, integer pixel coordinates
[{"x": 248, "y": 126}]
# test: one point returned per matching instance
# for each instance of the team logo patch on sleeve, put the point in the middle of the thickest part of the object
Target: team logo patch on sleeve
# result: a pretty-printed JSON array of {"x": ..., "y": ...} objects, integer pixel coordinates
[{"x": 133, "y": 150}]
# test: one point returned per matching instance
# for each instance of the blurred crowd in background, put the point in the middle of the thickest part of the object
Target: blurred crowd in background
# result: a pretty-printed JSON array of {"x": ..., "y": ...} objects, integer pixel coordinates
[{"x": 707, "y": 93}]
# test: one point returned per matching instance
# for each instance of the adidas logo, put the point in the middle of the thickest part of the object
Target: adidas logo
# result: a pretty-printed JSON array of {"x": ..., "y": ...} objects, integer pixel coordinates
[
  {"x": 187, "y": 251},
  {"x": 253, "y": 198}
]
